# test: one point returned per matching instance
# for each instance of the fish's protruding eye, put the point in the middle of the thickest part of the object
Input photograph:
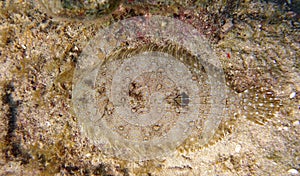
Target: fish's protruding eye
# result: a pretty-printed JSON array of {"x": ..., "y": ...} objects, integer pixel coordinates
[{"x": 183, "y": 99}]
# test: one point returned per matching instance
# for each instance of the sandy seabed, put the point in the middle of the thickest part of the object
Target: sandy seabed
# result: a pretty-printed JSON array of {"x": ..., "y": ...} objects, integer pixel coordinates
[{"x": 256, "y": 42}]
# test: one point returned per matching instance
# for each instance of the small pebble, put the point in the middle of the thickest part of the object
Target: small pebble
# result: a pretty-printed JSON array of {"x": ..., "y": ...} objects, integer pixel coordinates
[
  {"x": 293, "y": 171},
  {"x": 292, "y": 95},
  {"x": 48, "y": 124},
  {"x": 296, "y": 123},
  {"x": 88, "y": 155},
  {"x": 238, "y": 148},
  {"x": 227, "y": 25},
  {"x": 23, "y": 46}
]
